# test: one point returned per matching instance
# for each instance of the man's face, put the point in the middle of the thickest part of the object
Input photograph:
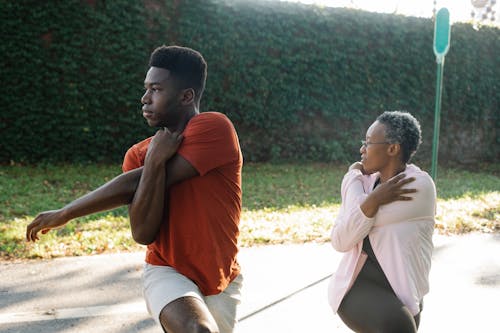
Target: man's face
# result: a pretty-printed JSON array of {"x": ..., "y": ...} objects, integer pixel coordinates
[{"x": 161, "y": 100}]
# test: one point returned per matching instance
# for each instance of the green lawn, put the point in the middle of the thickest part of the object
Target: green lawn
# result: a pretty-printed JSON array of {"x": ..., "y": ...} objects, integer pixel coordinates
[{"x": 281, "y": 203}]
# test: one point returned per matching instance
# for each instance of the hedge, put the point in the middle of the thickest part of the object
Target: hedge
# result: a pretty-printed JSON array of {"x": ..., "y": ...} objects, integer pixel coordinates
[{"x": 299, "y": 82}]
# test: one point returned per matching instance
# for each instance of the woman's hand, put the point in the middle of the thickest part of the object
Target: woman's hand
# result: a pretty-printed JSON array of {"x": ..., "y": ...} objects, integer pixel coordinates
[
  {"x": 357, "y": 166},
  {"x": 44, "y": 222},
  {"x": 386, "y": 193}
]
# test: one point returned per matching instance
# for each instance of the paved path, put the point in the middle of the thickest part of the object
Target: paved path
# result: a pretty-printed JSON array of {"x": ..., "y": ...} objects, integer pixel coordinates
[{"x": 284, "y": 291}]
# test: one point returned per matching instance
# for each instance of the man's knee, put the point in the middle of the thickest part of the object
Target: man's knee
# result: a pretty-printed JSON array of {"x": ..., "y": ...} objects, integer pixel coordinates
[
  {"x": 200, "y": 326},
  {"x": 187, "y": 315},
  {"x": 189, "y": 325}
]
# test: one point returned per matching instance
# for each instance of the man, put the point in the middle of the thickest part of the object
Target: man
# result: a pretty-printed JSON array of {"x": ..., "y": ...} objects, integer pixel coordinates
[{"x": 183, "y": 187}]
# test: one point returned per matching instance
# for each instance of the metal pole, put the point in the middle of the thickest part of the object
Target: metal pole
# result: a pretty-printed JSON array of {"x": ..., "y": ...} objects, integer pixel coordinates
[{"x": 437, "y": 116}]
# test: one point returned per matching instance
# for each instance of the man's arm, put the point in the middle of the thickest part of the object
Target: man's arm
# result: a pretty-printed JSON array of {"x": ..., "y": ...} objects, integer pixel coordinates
[
  {"x": 162, "y": 168},
  {"x": 117, "y": 192}
]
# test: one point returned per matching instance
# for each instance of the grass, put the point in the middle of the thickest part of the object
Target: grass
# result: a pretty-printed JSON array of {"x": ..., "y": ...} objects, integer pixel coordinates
[{"x": 281, "y": 204}]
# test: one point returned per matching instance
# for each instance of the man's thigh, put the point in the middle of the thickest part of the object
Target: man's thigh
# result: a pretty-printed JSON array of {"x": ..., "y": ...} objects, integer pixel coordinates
[
  {"x": 223, "y": 306},
  {"x": 162, "y": 285},
  {"x": 167, "y": 293}
]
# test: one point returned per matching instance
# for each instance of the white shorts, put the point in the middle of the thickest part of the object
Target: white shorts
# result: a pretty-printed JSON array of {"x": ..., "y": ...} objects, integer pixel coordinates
[{"x": 163, "y": 284}]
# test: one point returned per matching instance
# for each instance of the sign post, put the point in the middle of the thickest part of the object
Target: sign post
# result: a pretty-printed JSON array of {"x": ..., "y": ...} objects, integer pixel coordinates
[{"x": 441, "y": 46}]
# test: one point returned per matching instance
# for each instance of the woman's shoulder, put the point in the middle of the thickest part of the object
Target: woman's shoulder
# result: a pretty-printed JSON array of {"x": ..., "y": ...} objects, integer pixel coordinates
[
  {"x": 355, "y": 175},
  {"x": 423, "y": 181},
  {"x": 420, "y": 175}
]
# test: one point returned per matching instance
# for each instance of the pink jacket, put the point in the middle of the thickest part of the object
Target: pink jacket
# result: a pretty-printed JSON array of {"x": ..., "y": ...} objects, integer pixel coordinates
[{"x": 400, "y": 234}]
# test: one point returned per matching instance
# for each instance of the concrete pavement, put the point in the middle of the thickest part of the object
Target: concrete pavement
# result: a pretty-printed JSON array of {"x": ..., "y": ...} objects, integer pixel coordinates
[{"x": 284, "y": 290}]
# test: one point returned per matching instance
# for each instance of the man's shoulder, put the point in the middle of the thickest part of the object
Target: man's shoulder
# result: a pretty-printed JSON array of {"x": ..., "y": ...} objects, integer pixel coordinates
[
  {"x": 139, "y": 149},
  {"x": 135, "y": 155},
  {"x": 209, "y": 123},
  {"x": 211, "y": 116},
  {"x": 141, "y": 145}
]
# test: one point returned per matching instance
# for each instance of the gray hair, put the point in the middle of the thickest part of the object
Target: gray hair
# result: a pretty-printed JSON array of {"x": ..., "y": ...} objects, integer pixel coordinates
[{"x": 403, "y": 128}]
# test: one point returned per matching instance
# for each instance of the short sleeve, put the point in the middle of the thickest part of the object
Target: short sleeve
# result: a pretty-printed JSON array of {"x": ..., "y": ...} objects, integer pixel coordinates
[
  {"x": 210, "y": 141},
  {"x": 135, "y": 155}
]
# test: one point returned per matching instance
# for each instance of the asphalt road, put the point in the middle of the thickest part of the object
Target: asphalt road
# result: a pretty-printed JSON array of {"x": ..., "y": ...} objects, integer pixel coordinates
[{"x": 284, "y": 290}]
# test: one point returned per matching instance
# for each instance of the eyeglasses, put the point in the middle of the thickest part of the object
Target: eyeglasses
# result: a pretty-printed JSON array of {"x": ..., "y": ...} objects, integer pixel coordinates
[{"x": 365, "y": 143}]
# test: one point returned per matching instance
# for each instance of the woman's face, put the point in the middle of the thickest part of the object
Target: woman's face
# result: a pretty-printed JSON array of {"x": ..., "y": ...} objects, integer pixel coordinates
[{"x": 374, "y": 150}]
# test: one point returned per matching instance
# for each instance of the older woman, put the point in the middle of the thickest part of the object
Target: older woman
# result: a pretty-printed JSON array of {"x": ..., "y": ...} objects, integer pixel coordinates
[{"x": 385, "y": 228}]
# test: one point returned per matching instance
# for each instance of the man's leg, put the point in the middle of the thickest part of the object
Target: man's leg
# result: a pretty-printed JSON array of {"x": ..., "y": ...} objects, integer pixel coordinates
[
  {"x": 168, "y": 293},
  {"x": 223, "y": 306},
  {"x": 173, "y": 300},
  {"x": 187, "y": 314}
]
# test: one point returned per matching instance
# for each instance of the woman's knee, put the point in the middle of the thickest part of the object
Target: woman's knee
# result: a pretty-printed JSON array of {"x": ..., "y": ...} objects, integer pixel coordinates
[{"x": 402, "y": 322}]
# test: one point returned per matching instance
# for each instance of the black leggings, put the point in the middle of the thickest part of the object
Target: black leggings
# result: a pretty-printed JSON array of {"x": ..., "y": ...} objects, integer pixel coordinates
[{"x": 371, "y": 306}]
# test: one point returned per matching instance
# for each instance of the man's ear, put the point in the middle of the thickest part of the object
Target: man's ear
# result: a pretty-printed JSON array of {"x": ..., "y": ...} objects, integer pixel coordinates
[{"x": 187, "y": 96}]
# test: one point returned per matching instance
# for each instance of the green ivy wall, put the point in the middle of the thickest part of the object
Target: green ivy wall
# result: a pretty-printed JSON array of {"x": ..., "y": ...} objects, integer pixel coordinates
[{"x": 299, "y": 82}]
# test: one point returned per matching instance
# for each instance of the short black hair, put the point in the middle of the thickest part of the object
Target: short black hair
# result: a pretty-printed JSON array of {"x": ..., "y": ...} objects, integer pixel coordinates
[
  {"x": 401, "y": 127},
  {"x": 187, "y": 66}
]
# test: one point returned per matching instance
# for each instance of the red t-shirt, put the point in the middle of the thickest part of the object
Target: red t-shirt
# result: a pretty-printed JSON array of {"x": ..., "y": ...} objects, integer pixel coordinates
[{"x": 200, "y": 238}]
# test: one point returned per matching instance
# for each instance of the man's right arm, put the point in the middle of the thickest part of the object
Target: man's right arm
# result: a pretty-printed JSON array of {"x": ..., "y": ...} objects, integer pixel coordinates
[{"x": 117, "y": 192}]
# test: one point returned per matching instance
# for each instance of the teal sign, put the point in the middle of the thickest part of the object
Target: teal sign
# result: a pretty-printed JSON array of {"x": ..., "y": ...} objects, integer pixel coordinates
[
  {"x": 442, "y": 33},
  {"x": 441, "y": 46}
]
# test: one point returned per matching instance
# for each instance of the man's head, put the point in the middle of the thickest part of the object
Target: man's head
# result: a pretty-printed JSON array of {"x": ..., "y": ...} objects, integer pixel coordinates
[
  {"x": 187, "y": 67},
  {"x": 173, "y": 86}
]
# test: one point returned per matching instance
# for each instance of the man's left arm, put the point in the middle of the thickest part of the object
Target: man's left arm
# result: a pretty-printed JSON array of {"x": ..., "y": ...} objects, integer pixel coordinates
[{"x": 162, "y": 168}]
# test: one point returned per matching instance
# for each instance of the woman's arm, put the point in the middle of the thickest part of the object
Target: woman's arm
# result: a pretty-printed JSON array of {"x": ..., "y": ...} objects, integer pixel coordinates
[
  {"x": 357, "y": 212},
  {"x": 351, "y": 225},
  {"x": 385, "y": 193}
]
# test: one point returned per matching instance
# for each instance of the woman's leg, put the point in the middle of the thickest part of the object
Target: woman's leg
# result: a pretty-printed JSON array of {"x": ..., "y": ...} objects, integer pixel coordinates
[{"x": 371, "y": 307}]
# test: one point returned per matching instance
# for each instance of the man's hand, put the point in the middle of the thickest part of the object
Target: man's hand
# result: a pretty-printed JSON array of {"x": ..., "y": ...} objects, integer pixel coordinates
[
  {"x": 44, "y": 222},
  {"x": 163, "y": 146}
]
